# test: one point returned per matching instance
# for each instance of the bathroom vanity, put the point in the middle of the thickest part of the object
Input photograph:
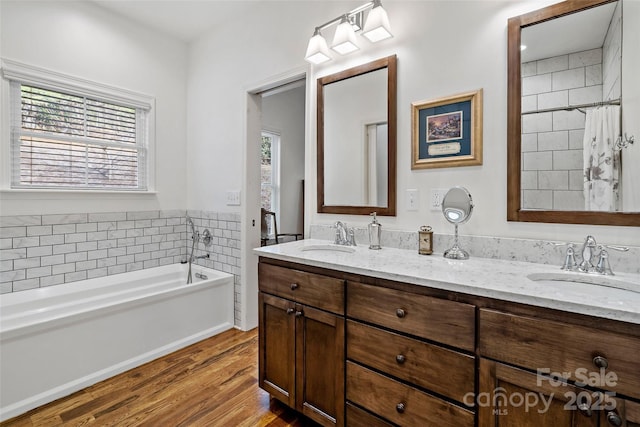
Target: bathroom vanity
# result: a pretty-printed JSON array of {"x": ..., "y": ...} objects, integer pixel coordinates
[{"x": 390, "y": 337}]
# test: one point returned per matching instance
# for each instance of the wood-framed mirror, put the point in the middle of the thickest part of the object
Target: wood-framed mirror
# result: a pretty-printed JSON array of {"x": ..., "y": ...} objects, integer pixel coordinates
[
  {"x": 356, "y": 139},
  {"x": 524, "y": 102}
]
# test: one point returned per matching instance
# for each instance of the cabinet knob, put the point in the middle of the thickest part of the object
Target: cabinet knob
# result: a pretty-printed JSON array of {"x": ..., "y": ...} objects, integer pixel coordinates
[
  {"x": 290, "y": 310},
  {"x": 601, "y": 362},
  {"x": 294, "y": 286},
  {"x": 400, "y": 313},
  {"x": 400, "y": 408},
  {"x": 299, "y": 313},
  {"x": 585, "y": 409},
  {"x": 614, "y": 419},
  {"x": 400, "y": 358}
]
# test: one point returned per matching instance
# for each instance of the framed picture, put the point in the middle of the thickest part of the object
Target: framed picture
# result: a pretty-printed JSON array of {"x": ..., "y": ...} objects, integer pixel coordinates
[{"x": 447, "y": 132}]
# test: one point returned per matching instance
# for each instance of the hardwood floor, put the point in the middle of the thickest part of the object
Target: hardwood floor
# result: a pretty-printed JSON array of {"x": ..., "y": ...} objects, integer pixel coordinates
[{"x": 210, "y": 383}]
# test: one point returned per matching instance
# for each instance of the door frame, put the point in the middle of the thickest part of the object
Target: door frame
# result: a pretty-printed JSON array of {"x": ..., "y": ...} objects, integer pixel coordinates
[{"x": 250, "y": 208}]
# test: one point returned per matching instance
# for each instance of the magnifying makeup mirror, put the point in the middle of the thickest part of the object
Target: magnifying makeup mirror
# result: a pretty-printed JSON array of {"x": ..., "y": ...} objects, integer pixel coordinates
[{"x": 457, "y": 206}]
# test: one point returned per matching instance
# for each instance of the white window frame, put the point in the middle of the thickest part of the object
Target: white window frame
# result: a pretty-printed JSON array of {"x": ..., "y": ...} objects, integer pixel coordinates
[
  {"x": 275, "y": 170},
  {"x": 31, "y": 75}
]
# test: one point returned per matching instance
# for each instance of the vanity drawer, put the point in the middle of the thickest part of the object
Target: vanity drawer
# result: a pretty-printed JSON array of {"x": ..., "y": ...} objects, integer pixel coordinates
[
  {"x": 562, "y": 348},
  {"x": 326, "y": 293},
  {"x": 444, "y": 371},
  {"x": 400, "y": 403},
  {"x": 448, "y": 322},
  {"x": 357, "y": 417}
]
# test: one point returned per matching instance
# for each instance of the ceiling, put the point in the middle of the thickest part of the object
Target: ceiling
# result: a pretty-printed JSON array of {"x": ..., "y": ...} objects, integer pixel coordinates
[{"x": 185, "y": 20}]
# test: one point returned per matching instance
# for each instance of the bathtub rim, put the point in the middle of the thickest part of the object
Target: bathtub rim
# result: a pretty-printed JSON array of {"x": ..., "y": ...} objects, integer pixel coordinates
[{"x": 49, "y": 322}]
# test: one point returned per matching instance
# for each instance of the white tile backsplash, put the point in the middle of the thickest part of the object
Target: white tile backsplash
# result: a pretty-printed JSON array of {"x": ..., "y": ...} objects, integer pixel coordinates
[
  {"x": 47, "y": 250},
  {"x": 527, "y": 250}
]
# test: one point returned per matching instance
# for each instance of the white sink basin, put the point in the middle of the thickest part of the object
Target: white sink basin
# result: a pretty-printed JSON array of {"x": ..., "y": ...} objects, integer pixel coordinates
[
  {"x": 589, "y": 279},
  {"x": 328, "y": 247}
]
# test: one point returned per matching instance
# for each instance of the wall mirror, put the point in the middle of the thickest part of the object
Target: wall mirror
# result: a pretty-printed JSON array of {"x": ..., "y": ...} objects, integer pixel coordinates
[
  {"x": 356, "y": 117},
  {"x": 566, "y": 62}
]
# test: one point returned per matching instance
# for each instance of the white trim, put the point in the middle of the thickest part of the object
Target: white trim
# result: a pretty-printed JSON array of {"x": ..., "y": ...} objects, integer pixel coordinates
[
  {"x": 29, "y": 74},
  {"x": 250, "y": 212},
  {"x": 13, "y": 70}
]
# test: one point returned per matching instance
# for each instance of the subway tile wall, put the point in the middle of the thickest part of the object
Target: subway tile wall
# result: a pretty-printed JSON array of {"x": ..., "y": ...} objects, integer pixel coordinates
[
  {"x": 552, "y": 141},
  {"x": 46, "y": 250},
  {"x": 552, "y": 157}
]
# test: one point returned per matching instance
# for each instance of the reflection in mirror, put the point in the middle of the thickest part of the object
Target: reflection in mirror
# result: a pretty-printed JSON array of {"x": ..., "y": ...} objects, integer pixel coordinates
[
  {"x": 357, "y": 139},
  {"x": 457, "y": 206},
  {"x": 355, "y": 115},
  {"x": 564, "y": 116}
]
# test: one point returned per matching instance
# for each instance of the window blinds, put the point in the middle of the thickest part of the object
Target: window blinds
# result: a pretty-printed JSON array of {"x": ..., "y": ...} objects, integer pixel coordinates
[{"x": 63, "y": 140}]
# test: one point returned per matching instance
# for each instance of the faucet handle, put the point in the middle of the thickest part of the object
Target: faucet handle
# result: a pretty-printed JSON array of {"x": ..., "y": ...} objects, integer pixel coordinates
[
  {"x": 570, "y": 263},
  {"x": 603, "y": 266}
]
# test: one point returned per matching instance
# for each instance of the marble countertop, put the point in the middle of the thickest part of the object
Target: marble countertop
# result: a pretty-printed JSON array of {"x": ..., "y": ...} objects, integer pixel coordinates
[{"x": 499, "y": 279}]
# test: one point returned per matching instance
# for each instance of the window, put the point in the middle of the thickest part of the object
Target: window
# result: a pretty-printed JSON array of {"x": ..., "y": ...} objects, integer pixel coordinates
[
  {"x": 63, "y": 138},
  {"x": 269, "y": 173}
]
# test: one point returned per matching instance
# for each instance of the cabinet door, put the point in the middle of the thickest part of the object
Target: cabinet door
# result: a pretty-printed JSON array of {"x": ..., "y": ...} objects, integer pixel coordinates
[
  {"x": 320, "y": 365},
  {"x": 510, "y": 397},
  {"x": 277, "y": 347},
  {"x": 621, "y": 413}
]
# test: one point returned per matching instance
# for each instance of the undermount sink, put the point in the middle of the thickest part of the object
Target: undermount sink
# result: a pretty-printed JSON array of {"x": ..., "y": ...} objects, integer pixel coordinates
[
  {"x": 328, "y": 247},
  {"x": 589, "y": 279}
]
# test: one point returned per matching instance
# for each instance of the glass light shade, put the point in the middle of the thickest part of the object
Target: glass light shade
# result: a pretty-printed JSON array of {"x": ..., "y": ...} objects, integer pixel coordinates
[
  {"x": 344, "y": 41},
  {"x": 377, "y": 26},
  {"x": 317, "y": 50}
]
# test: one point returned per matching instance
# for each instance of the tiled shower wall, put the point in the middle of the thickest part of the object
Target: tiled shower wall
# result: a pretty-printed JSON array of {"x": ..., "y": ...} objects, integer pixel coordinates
[
  {"x": 45, "y": 250},
  {"x": 552, "y": 156},
  {"x": 552, "y": 141}
]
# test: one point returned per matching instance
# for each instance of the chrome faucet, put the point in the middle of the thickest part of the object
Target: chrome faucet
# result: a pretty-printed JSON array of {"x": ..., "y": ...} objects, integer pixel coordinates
[
  {"x": 588, "y": 253},
  {"x": 345, "y": 236}
]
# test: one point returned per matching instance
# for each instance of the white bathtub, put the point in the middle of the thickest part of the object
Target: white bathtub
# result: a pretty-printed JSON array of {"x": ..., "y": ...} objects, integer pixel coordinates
[{"x": 60, "y": 339}]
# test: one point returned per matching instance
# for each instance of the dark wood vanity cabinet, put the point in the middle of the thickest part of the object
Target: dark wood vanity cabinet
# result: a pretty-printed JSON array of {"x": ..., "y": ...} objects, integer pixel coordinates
[
  {"x": 521, "y": 383},
  {"x": 352, "y": 350},
  {"x": 409, "y": 357},
  {"x": 301, "y": 350}
]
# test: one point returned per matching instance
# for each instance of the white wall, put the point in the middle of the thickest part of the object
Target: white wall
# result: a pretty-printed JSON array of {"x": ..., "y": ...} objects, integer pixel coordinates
[
  {"x": 284, "y": 113},
  {"x": 443, "y": 48},
  {"x": 83, "y": 40}
]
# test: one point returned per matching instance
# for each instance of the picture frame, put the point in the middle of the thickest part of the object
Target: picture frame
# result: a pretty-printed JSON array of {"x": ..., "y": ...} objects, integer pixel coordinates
[{"x": 447, "y": 132}]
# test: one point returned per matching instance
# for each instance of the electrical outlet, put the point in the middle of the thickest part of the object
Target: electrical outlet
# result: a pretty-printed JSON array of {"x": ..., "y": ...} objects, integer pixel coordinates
[
  {"x": 412, "y": 201},
  {"x": 233, "y": 198},
  {"x": 437, "y": 194}
]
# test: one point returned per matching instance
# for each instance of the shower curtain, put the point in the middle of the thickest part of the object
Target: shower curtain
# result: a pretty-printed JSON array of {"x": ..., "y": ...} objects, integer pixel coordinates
[{"x": 601, "y": 159}]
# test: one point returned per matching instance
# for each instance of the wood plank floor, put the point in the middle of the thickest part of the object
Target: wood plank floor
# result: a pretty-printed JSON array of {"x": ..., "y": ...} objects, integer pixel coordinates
[{"x": 210, "y": 383}]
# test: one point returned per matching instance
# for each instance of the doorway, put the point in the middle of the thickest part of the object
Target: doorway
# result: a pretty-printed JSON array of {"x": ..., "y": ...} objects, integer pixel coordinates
[{"x": 276, "y": 107}]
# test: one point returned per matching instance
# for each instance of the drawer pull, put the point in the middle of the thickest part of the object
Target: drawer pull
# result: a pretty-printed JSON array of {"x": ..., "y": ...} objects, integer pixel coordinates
[
  {"x": 299, "y": 313},
  {"x": 400, "y": 358},
  {"x": 290, "y": 310},
  {"x": 400, "y": 408},
  {"x": 400, "y": 313},
  {"x": 294, "y": 286},
  {"x": 614, "y": 419},
  {"x": 601, "y": 362}
]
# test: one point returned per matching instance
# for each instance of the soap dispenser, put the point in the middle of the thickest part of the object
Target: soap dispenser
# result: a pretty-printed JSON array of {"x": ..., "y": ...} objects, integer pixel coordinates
[{"x": 374, "y": 233}]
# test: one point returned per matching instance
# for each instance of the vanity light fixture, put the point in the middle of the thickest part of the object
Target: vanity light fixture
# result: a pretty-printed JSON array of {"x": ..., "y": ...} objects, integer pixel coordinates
[
  {"x": 375, "y": 29},
  {"x": 344, "y": 41},
  {"x": 317, "y": 51}
]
